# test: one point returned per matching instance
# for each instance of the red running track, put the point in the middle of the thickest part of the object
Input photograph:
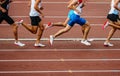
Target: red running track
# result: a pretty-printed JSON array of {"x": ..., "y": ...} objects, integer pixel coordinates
[{"x": 64, "y": 58}]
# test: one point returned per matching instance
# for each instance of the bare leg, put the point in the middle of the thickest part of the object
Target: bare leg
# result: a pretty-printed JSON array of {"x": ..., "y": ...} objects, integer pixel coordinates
[
  {"x": 60, "y": 24},
  {"x": 64, "y": 30},
  {"x": 15, "y": 31},
  {"x": 111, "y": 33},
  {"x": 32, "y": 29},
  {"x": 115, "y": 24},
  {"x": 40, "y": 32},
  {"x": 86, "y": 30},
  {"x": 60, "y": 32}
]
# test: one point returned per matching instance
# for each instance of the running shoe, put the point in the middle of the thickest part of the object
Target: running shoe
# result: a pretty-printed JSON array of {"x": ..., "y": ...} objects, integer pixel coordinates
[
  {"x": 108, "y": 44},
  {"x": 48, "y": 25},
  {"x": 19, "y": 22},
  {"x": 105, "y": 24},
  {"x": 51, "y": 39},
  {"x": 39, "y": 45},
  {"x": 85, "y": 42},
  {"x": 19, "y": 43}
]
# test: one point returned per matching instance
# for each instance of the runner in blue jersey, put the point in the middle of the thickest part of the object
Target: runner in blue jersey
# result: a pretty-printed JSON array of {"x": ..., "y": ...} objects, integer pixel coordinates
[{"x": 74, "y": 18}]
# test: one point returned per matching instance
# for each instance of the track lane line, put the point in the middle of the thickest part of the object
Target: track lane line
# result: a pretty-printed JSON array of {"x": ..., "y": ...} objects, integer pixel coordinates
[
  {"x": 60, "y": 71},
  {"x": 56, "y": 50},
  {"x": 59, "y": 60}
]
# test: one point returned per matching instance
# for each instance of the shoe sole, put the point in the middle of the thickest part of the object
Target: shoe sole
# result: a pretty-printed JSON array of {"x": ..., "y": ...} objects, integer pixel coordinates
[{"x": 19, "y": 45}]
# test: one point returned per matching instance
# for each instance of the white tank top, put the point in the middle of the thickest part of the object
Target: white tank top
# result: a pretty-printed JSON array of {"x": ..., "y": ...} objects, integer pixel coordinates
[
  {"x": 114, "y": 10},
  {"x": 79, "y": 9},
  {"x": 33, "y": 12}
]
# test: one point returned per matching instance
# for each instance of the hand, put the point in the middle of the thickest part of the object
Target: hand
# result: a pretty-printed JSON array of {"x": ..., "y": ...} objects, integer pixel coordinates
[
  {"x": 42, "y": 15},
  {"x": 41, "y": 8},
  {"x": 3, "y": 10}
]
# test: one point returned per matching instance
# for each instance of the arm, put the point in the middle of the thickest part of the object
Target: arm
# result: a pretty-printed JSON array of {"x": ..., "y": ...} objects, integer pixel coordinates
[
  {"x": 72, "y": 5},
  {"x": 2, "y": 9},
  {"x": 29, "y": 4},
  {"x": 1, "y": 2},
  {"x": 83, "y": 3},
  {"x": 37, "y": 8},
  {"x": 116, "y": 4},
  {"x": 10, "y": 1}
]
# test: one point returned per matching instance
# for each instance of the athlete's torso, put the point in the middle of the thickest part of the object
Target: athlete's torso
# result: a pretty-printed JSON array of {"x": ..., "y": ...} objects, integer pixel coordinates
[
  {"x": 5, "y": 4},
  {"x": 33, "y": 12},
  {"x": 79, "y": 7},
  {"x": 114, "y": 10}
]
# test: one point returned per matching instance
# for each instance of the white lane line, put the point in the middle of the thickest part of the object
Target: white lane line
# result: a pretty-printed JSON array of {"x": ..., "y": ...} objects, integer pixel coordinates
[
  {"x": 60, "y": 71},
  {"x": 62, "y": 2},
  {"x": 59, "y": 60},
  {"x": 61, "y": 16},
  {"x": 63, "y": 39},
  {"x": 57, "y": 50}
]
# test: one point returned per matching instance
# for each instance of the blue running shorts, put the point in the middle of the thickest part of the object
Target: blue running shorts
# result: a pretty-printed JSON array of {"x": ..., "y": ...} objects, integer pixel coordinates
[{"x": 75, "y": 19}]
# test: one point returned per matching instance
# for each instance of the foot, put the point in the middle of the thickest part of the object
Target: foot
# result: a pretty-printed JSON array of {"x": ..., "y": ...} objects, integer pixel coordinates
[
  {"x": 105, "y": 24},
  {"x": 85, "y": 42},
  {"x": 48, "y": 25},
  {"x": 108, "y": 44},
  {"x": 51, "y": 39},
  {"x": 39, "y": 45},
  {"x": 19, "y": 43},
  {"x": 19, "y": 22}
]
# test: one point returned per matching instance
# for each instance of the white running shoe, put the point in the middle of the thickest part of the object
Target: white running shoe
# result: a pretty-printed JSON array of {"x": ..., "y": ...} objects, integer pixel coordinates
[
  {"x": 19, "y": 43},
  {"x": 51, "y": 39},
  {"x": 85, "y": 42},
  {"x": 48, "y": 25},
  {"x": 39, "y": 45},
  {"x": 19, "y": 22},
  {"x": 108, "y": 44}
]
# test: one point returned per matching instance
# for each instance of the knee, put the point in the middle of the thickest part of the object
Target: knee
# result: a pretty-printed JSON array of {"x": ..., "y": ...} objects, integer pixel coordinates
[
  {"x": 87, "y": 26},
  {"x": 65, "y": 30},
  {"x": 14, "y": 26},
  {"x": 34, "y": 32},
  {"x": 64, "y": 24},
  {"x": 42, "y": 28}
]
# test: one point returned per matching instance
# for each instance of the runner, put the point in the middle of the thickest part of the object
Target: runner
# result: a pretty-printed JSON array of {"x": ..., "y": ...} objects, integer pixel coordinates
[
  {"x": 36, "y": 21},
  {"x": 4, "y": 16},
  {"x": 114, "y": 20},
  {"x": 74, "y": 17}
]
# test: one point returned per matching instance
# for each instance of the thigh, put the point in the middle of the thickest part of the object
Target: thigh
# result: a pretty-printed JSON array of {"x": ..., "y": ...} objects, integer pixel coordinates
[
  {"x": 8, "y": 19},
  {"x": 112, "y": 17},
  {"x": 35, "y": 20},
  {"x": 67, "y": 28},
  {"x": 71, "y": 22},
  {"x": 1, "y": 19},
  {"x": 81, "y": 21}
]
